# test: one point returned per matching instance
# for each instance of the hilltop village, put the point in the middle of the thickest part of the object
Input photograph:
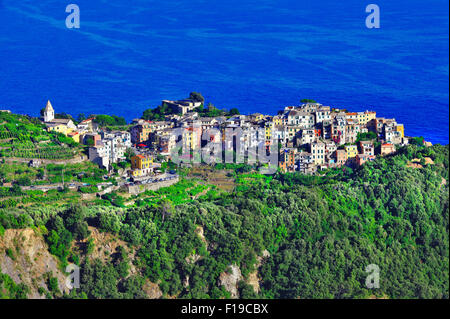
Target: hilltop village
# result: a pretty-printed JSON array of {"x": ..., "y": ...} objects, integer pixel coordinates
[
  {"x": 309, "y": 137},
  {"x": 110, "y": 196}
]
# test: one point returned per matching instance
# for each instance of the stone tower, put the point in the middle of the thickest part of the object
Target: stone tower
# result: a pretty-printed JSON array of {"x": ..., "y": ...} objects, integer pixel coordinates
[{"x": 49, "y": 112}]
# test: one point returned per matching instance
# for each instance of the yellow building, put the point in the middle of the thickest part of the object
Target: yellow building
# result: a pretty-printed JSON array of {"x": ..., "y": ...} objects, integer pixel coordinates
[
  {"x": 293, "y": 130},
  {"x": 141, "y": 165},
  {"x": 277, "y": 120},
  {"x": 257, "y": 116},
  {"x": 64, "y": 126},
  {"x": 268, "y": 131},
  {"x": 365, "y": 117},
  {"x": 141, "y": 162},
  {"x": 60, "y": 128},
  {"x": 75, "y": 136},
  {"x": 400, "y": 128},
  {"x": 191, "y": 138},
  {"x": 352, "y": 150}
]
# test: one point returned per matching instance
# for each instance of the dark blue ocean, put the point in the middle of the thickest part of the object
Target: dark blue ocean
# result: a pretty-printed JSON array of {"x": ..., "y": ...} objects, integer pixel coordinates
[{"x": 254, "y": 55}]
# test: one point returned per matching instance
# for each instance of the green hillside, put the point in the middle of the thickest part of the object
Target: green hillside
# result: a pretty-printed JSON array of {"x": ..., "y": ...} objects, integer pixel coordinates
[
  {"x": 26, "y": 137},
  {"x": 303, "y": 236}
]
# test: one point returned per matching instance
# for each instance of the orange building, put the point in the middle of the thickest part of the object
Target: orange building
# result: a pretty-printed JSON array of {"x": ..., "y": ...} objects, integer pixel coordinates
[
  {"x": 287, "y": 159},
  {"x": 341, "y": 157}
]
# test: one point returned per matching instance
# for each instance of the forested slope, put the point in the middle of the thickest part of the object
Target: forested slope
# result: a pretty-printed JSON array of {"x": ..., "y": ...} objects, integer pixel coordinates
[{"x": 318, "y": 235}]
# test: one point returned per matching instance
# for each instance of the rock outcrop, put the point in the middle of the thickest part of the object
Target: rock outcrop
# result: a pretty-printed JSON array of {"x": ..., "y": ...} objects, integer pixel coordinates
[
  {"x": 24, "y": 256},
  {"x": 230, "y": 280}
]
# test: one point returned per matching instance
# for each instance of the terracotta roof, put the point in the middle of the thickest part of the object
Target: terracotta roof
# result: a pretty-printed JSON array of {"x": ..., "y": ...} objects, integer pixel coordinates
[{"x": 87, "y": 120}]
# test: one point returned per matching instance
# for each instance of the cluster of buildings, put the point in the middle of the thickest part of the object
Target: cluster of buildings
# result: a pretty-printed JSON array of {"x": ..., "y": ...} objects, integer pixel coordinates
[
  {"x": 105, "y": 148},
  {"x": 315, "y": 137},
  {"x": 306, "y": 138}
]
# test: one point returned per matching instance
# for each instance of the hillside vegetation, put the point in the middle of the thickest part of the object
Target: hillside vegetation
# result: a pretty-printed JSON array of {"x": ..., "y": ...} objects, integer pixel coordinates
[
  {"x": 26, "y": 137},
  {"x": 282, "y": 236}
]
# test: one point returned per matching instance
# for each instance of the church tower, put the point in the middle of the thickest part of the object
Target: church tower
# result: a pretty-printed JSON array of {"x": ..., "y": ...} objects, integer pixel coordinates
[{"x": 49, "y": 112}]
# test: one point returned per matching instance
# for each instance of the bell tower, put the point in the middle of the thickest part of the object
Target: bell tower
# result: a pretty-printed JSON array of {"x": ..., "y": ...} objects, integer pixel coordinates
[{"x": 49, "y": 112}]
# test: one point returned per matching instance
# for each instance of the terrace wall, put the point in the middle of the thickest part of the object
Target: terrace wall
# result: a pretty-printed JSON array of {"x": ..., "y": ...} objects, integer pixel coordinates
[{"x": 137, "y": 189}]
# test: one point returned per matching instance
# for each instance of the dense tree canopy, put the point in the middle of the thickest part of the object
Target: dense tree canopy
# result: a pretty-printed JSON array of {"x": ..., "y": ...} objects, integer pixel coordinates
[
  {"x": 108, "y": 120},
  {"x": 158, "y": 113},
  {"x": 318, "y": 233},
  {"x": 197, "y": 97}
]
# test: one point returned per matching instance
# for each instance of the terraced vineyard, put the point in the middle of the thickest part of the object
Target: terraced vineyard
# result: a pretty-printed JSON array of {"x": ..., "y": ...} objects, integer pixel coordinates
[
  {"x": 4, "y": 134},
  {"x": 40, "y": 153},
  {"x": 25, "y": 137}
]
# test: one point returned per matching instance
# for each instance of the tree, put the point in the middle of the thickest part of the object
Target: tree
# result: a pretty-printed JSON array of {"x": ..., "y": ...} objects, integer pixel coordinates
[
  {"x": 52, "y": 284},
  {"x": 90, "y": 246},
  {"x": 89, "y": 142},
  {"x": 74, "y": 221},
  {"x": 81, "y": 117},
  {"x": 200, "y": 109},
  {"x": 64, "y": 116},
  {"x": 419, "y": 141},
  {"x": 129, "y": 153},
  {"x": 366, "y": 136},
  {"x": 166, "y": 208},
  {"x": 158, "y": 113},
  {"x": 24, "y": 181},
  {"x": 234, "y": 111},
  {"x": 107, "y": 120},
  {"x": 197, "y": 97}
]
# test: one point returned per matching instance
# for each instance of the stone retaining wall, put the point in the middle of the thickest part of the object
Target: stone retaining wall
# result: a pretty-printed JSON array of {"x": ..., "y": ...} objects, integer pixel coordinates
[
  {"x": 137, "y": 189},
  {"x": 75, "y": 160}
]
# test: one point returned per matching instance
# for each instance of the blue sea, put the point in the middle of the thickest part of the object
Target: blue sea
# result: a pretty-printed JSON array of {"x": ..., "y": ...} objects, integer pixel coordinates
[{"x": 257, "y": 56}]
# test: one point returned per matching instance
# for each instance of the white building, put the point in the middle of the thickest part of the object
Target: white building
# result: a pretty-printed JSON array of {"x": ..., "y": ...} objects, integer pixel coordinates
[
  {"x": 111, "y": 149},
  {"x": 323, "y": 113}
]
